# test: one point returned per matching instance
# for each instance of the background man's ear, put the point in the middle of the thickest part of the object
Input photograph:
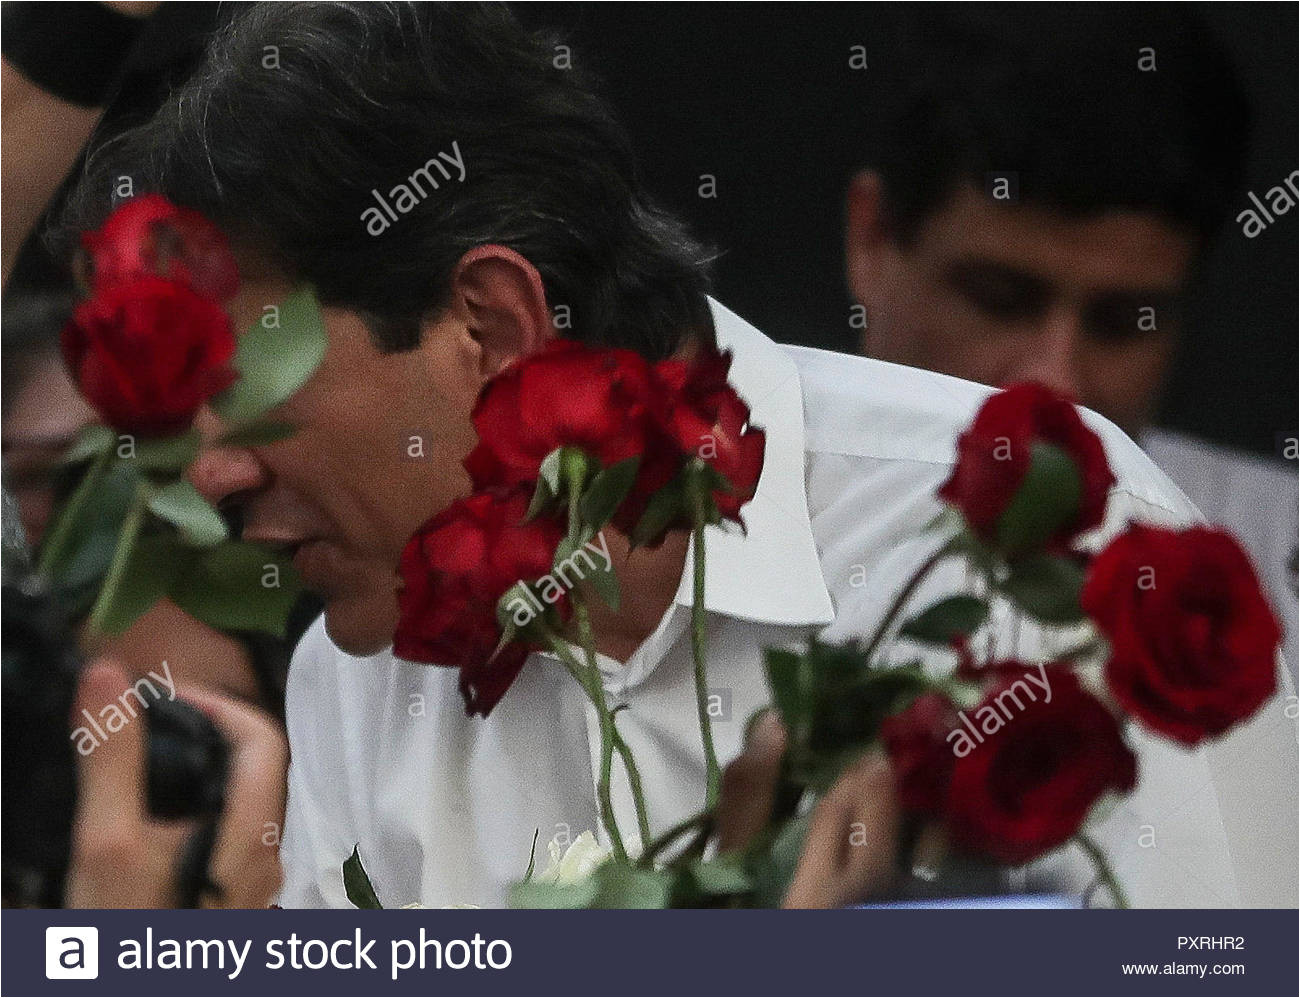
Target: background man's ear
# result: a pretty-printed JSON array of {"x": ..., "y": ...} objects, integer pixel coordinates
[
  {"x": 499, "y": 297},
  {"x": 866, "y": 233}
]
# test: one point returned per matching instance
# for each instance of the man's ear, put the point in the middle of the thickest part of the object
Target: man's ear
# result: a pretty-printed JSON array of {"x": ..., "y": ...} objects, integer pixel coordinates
[
  {"x": 866, "y": 234},
  {"x": 499, "y": 297}
]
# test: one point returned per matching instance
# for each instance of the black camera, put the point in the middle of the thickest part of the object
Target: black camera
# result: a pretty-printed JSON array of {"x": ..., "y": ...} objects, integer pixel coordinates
[{"x": 187, "y": 758}]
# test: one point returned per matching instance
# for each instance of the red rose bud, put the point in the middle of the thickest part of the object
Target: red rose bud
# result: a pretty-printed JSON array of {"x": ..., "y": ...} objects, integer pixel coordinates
[
  {"x": 147, "y": 353},
  {"x": 150, "y": 235},
  {"x": 705, "y": 418},
  {"x": 994, "y": 459},
  {"x": 1025, "y": 782},
  {"x": 916, "y": 742},
  {"x": 1192, "y": 638},
  {"x": 454, "y": 571}
]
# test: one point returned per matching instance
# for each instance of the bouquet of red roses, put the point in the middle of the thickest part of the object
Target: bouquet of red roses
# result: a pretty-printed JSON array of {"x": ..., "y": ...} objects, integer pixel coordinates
[
  {"x": 1169, "y": 627},
  {"x": 148, "y": 346},
  {"x": 1010, "y": 758}
]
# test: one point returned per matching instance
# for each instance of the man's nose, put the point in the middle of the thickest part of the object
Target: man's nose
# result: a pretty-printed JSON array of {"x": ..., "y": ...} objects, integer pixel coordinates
[
  {"x": 1052, "y": 356},
  {"x": 221, "y": 470}
]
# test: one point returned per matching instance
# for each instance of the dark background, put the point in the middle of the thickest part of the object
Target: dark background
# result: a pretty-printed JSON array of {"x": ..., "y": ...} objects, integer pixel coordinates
[{"x": 762, "y": 97}]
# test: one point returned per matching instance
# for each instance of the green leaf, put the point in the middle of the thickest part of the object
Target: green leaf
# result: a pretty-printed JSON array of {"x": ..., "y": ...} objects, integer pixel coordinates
[
  {"x": 93, "y": 537},
  {"x": 506, "y": 614},
  {"x": 549, "y": 471},
  {"x": 169, "y": 454},
  {"x": 722, "y": 875},
  {"x": 532, "y": 857},
  {"x": 257, "y": 434},
  {"x": 775, "y": 870},
  {"x": 564, "y": 551},
  {"x": 91, "y": 441},
  {"x": 666, "y": 507},
  {"x": 154, "y": 563},
  {"x": 274, "y": 363},
  {"x": 1046, "y": 587},
  {"x": 957, "y": 616},
  {"x": 966, "y": 544},
  {"x": 621, "y": 886},
  {"x": 575, "y": 468},
  {"x": 947, "y": 520},
  {"x": 542, "y": 497},
  {"x": 785, "y": 672},
  {"x": 1048, "y": 499},
  {"x": 357, "y": 882},
  {"x": 239, "y": 586},
  {"x": 180, "y": 503},
  {"x": 535, "y": 894},
  {"x": 606, "y": 491},
  {"x": 605, "y": 582}
]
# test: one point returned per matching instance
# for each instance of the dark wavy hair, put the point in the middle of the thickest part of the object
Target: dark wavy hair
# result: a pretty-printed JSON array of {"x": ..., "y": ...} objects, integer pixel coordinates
[
  {"x": 1095, "y": 107},
  {"x": 299, "y": 110}
]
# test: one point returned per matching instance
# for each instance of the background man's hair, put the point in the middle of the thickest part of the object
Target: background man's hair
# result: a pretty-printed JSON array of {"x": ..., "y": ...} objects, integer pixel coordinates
[
  {"x": 1055, "y": 94},
  {"x": 282, "y": 147}
]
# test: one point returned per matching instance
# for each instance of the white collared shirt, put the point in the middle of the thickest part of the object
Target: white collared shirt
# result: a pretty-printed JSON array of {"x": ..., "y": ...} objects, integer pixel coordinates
[{"x": 444, "y": 808}]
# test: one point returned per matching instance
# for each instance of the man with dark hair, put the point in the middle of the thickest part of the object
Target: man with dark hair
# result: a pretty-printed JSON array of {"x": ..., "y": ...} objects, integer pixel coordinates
[
  {"x": 1042, "y": 181},
  {"x": 303, "y": 120}
]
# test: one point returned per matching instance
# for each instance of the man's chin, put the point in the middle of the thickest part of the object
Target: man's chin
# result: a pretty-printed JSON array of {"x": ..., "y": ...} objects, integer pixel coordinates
[{"x": 360, "y": 627}]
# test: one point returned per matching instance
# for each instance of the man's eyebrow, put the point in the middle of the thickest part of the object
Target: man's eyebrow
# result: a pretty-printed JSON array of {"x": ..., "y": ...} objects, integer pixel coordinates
[
  {"x": 963, "y": 270},
  {"x": 1138, "y": 296}
]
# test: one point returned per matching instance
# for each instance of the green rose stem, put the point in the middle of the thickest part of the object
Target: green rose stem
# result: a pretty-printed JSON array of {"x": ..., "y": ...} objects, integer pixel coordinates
[
  {"x": 634, "y": 782},
  {"x": 574, "y": 468},
  {"x": 905, "y": 594},
  {"x": 701, "y": 824},
  {"x": 1105, "y": 874},
  {"x": 121, "y": 558},
  {"x": 699, "y": 641},
  {"x": 595, "y": 690},
  {"x": 58, "y": 539},
  {"x": 629, "y": 763}
]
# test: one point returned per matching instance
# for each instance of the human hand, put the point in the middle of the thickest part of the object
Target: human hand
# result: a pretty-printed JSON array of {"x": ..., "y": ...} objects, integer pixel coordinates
[
  {"x": 122, "y": 857},
  {"x": 851, "y": 850}
]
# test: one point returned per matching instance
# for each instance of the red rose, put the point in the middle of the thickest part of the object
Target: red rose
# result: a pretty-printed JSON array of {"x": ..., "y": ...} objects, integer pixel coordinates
[
  {"x": 454, "y": 571},
  {"x": 916, "y": 742},
  {"x": 1192, "y": 637},
  {"x": 147, "y": 353},
  {"x": 1029, "y": 785},
  {"x": 150, "y": 235},
  {"x": 705, "y": 418},
  {"x": 568, "y": 395},
  {"x": 994, "y": 455}
]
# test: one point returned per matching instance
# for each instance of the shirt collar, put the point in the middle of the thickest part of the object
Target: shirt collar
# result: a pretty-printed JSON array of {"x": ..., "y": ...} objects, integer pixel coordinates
[{"x": 772, "y": 572}]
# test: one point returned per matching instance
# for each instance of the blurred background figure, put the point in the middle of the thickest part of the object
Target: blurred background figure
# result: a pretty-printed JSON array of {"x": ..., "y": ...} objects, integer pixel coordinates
[
  {"x": 1043, "y": 191},
  {"x": 1039, "y": 189},
  {"x": 206, "y": 806}
]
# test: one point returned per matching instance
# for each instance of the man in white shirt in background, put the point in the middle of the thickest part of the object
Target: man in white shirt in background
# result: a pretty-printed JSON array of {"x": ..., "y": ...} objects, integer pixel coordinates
[
  {"x": 543, "y": 232},
  {"x": 1041, "y": 187}
]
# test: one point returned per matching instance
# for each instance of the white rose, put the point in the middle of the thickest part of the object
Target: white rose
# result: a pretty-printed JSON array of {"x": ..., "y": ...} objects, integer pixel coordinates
[
  {"x": 576, "y": 863},
  {"x": 416, "y": 904}
]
